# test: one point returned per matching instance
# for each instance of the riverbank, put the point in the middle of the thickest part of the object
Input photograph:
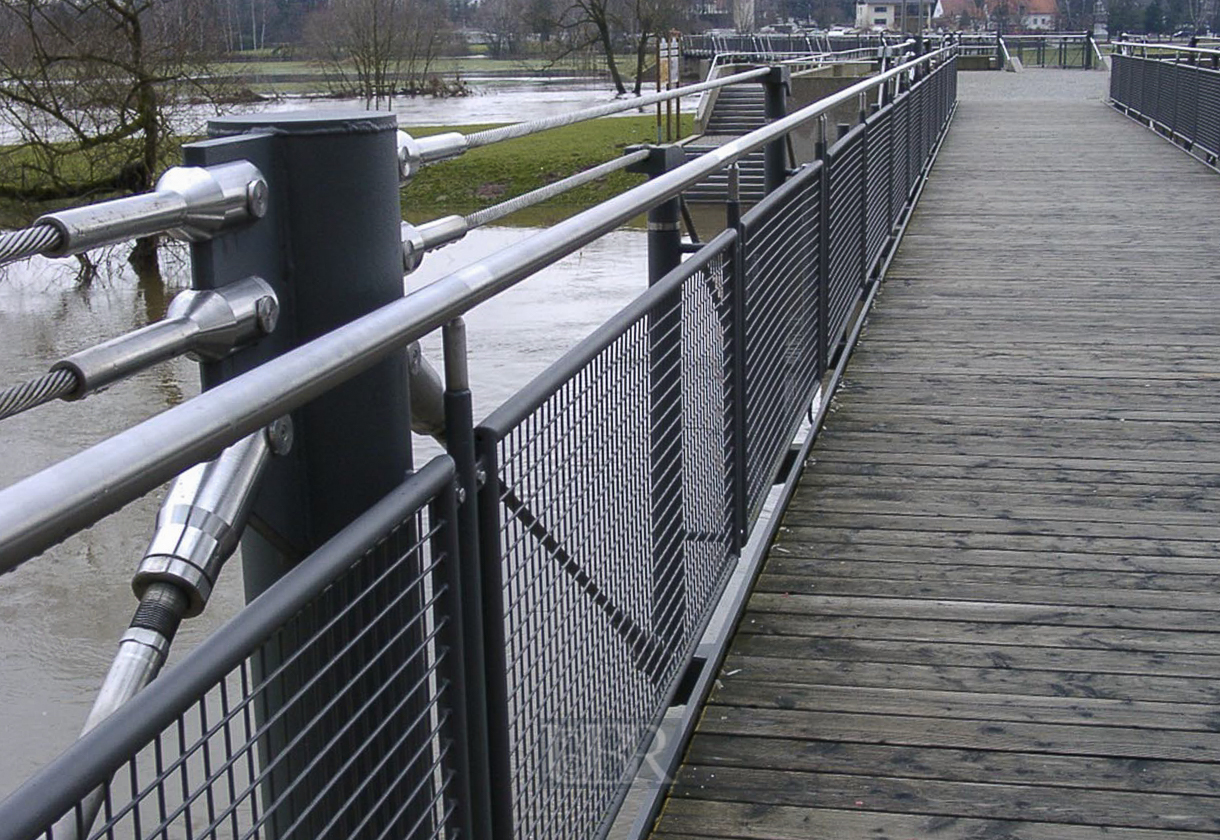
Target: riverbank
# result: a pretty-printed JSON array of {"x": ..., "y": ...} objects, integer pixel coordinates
[
  {"x": 486, "y": 176},
  {"x": 480, "y": 178}
]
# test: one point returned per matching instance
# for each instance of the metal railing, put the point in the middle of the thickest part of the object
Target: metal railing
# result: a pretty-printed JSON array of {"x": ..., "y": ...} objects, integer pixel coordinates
[
  {"x": 767, "y": 46},
  {"x": 1173, "y": 90},
  {"x": 484, "y": 649},
  {"x": 1063, "y": 50}
]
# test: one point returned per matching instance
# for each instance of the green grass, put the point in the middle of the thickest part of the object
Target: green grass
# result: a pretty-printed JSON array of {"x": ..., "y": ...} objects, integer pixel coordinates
[
  {"x": 492, "y": 174},
  {"x": 479, "y": 178}
]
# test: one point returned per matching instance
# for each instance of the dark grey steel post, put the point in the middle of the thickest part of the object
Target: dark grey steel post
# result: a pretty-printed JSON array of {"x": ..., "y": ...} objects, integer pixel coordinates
[
  {"x": 459, "y": 440},
  {"x": 736, "y": 364},
  {"x": 1088, "y": 50},
  {"x": 775, "y": 155},
  {"x": 999, "y": 52},
  {"x": 495, "y": 642},
  {"x": 330, "y": 247},
  {"x": 822, "y": 151},
  {"x": 665, "y": 426}
]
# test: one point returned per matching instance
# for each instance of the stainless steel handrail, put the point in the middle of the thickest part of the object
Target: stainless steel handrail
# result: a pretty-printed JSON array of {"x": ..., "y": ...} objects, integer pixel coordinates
[{"x": 45, "y": 508}]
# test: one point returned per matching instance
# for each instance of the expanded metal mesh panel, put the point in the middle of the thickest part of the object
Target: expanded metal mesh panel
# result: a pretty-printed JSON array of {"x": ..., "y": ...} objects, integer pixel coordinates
[
  {"x": 616, "y": 536},
  {"x": 846, "y": 235},
  {"x": 337, "y": 726},
  {"x": 783, "y": 360},
  {"x": 880, "y": 217}
]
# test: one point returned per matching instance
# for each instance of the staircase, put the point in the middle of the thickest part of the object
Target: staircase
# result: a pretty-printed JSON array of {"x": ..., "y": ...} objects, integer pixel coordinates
[{"x": 738, "y": 110}]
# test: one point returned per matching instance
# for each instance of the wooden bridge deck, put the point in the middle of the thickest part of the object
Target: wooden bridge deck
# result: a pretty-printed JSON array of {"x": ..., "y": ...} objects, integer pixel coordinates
[{"x": 994, "y": 607}]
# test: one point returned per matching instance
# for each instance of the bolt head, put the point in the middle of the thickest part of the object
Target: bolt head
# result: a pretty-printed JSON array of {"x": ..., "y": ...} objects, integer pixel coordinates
[
  {"x": 268, "y": 311},
  {"x": 257, "y": 198},
  {"x": 280, "y": 435}
]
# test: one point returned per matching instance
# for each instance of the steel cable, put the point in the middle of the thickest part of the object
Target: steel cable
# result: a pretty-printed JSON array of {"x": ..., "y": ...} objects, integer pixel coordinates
[
  {"x": 27, "y": 395},
  {"x": 29, "y": 242},
  {"x": 529, "y": 199},
  {"x": 510, "y": 132}
]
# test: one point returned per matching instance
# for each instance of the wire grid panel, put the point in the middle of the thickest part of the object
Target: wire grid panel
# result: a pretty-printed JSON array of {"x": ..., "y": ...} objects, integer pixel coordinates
[
  {"x": 880, "y": 220},
  {"x": 846, "y": 234},
  {"x": 901, "y": 185},
  {"x": 783, "y": 361},
  {"x": 1209, "y": 111},
  {"x": 338, "y": 726},
  {"x": 616, "y": 537}
]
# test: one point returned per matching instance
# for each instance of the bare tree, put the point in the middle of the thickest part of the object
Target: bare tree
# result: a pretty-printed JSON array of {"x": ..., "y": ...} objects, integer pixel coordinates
[
  {"x": 377, "y": 48},
  {"x": 91, "y": 88},
  {"x": 595, "y": 22}
]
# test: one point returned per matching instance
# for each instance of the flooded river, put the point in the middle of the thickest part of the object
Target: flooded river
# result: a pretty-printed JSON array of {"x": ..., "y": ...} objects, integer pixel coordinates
[{"x": 63, "y": 612}]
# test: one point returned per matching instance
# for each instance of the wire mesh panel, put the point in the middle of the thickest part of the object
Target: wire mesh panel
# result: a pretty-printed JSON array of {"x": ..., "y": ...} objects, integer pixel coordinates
[
  {"x": 880, "y": 161},
  {"x": 846, "y": 160},
  {"x": 613, "y": 536},
  {"x": 1183, "y": 97},
  {"x": 782, "y": 357},
  {"x": 900, "y": 187},
  {"x": 326, "y": 709},
  {"x": 1209, "y": 111}
]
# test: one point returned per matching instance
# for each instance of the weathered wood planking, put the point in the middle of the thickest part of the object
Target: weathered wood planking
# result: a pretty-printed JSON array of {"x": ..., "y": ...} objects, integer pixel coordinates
[{"x": 993, "y": 610}]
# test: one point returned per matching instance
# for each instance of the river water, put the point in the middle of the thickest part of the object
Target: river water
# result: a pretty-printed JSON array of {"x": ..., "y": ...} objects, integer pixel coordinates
[{"x": 63, "y": 612}]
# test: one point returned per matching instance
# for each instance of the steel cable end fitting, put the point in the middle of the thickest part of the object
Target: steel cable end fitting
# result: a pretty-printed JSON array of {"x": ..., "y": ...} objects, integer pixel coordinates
[
  {"x": 203, "y": 516},
  {"x": 414, "y": 152},
  {"x": 192, "y": 203},
  {"x": 418, "y": 240},
  {"x": 206, "y": 324}
]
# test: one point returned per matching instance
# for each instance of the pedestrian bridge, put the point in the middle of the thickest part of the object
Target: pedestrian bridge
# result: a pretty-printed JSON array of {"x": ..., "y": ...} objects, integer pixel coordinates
[{"x": 968, "y": 354}]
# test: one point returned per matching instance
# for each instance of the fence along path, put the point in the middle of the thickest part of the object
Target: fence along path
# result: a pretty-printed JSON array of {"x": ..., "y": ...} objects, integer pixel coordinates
[{"x": 992, "y": 610}]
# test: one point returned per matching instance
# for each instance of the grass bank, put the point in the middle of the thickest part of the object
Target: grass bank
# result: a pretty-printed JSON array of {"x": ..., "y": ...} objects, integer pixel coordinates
[
  {"x": 480, "y": 178},
  {"x": 492, "y": 174}
]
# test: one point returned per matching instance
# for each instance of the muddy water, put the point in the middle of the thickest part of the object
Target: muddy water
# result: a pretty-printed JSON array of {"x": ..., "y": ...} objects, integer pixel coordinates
[
  {"x": 491, "y": 101},
  {"x": 63, "y": 612}
]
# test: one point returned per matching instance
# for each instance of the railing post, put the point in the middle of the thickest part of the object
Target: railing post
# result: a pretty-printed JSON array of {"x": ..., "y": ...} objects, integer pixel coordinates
[
  {"x": 1088, "y": 50},
  {"x": 822, "y": 151},
  {"x": 737, "y": 368},
  {"x": 330, "y": 247},
  {"x": 459, "y": 441},
  {"x": 495, "y": 641},
  {"x": 776, "y": 87},
  {"x": 666, "y": 492}
]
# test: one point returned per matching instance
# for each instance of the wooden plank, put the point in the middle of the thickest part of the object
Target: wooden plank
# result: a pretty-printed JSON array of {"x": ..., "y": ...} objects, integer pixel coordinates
[
  {"x": 995, "y": 592},
  {"x": 952, "y": 765},
  {"x": 944, "y": 609},
  {"x": 990, "y": 680},
  {"x": 800, "y": 544},
  {"x": 1202, "y": 666},
  {"x": 743, "y": 685},
  {"x": 934, "y": 732},
  {"x": 981, "y": 633},
  {"x": 881, "y": 567},
  {"x": 843, "y": 533},
  {"x": 976, "y": 800},
  {"x": 772, "y": 822}
]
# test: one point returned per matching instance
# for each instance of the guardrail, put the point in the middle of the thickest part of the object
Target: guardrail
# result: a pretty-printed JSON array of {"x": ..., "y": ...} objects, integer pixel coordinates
[
  {"x": 484, "y": 649},
  {"x": 1064, "y": 50},
  {"x": 767, "y": 45},
  {"x": 1173, "y": 90}
]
